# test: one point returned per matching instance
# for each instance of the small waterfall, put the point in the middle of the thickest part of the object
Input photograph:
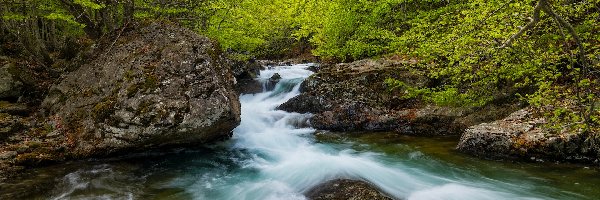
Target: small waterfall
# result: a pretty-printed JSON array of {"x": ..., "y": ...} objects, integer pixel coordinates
[
  {"x": 287, "y": 160},
  {"x": 274, "y": 155}
]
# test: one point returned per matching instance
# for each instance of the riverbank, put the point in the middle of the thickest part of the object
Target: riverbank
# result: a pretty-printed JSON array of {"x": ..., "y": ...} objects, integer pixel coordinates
[
  {"x": 176, "y": 174},
  {"x": 523, "y": 136},
  {"x": 353, "y": 97},
  {"x": 273, "y": 154},
  {"x": 158, "y": 86}
]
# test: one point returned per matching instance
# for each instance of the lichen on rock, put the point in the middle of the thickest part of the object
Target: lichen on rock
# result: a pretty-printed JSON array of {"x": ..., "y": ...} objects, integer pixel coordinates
[
  {"x": 345, "y": 189},
  {"x": 160, "y": 85},
  {"x": 523, "y": 136}
]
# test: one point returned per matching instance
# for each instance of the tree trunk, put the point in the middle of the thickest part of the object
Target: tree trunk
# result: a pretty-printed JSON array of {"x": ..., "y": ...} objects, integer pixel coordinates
[
  {"x": 91, "y": 29},
  {"x": 128, "y": 11}
]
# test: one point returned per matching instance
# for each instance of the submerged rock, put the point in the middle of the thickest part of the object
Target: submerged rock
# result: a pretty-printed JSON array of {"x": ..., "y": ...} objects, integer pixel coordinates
[
  {"x": 344, "y": 189},
  {"x": 272, "y": 82},
  {"x": 522, "y": 136},
  {"x": 275, "y": 78},
  {"x": 159, "y": 85}
]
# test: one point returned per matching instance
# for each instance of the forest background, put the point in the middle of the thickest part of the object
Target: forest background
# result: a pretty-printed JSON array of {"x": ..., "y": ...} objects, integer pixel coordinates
[{"x": 543, "y": 53}]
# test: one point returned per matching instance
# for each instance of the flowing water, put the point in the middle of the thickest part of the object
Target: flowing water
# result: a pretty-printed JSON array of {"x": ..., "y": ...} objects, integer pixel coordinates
[{"x": 275, "y": 155}]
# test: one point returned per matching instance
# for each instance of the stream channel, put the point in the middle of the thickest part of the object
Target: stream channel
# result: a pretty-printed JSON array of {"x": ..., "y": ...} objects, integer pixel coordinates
[{"x": 275, "y": 155}]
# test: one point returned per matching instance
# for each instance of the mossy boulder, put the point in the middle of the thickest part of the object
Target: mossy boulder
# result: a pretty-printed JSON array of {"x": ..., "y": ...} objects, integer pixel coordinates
[
  {"x": 158, "y": 85},
  {"x": 523, "y": 136},
  {"x": 355, "y": 97}
]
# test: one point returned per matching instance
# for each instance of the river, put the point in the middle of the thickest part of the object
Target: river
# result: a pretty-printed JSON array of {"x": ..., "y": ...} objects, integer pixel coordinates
[{"x": 275, "y": 155}]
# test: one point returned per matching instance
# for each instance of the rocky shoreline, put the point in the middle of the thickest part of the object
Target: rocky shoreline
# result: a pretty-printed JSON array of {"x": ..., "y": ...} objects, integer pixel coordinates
[
  {"x": 156, "y": 86},
  {"x": 163, "y": 86},
  {"x": 353, "y": 97},
  {"x": 522, "y": 136}
]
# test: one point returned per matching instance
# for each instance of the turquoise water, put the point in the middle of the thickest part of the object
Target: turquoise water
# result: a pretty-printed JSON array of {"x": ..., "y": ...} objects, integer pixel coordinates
[{"x": 274, "y": 155}]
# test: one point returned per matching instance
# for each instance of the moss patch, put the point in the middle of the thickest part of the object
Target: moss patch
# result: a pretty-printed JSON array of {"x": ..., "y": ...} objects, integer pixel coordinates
[
  {"x": 129, "y": 75},
  {"x": 132, "y": 90},
  {"x": 103, "y": 109},
  {"x": 145, "y": 107},
  {"x": 33, "y": 159},
  {"x": 150, "y": 81}
]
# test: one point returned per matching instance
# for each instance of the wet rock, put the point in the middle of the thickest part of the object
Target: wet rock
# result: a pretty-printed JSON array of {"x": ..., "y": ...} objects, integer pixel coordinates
[
  {"x": 245, "y": 73},
  {"x": 10, "y": 86},
  {"x": 272, "y": 82},
  {"x": 267, "y": 62},
  {"x": 523, "y": 136},
  {"x": 304, "y": 104},
  {"x": 160, "y": 85},
  {"x": 354, "y": 97},
  {"x": 275, "y": 78},
  {"x": 248, "y": 86},
  {"x": 361, "y": 82},
  {"x": 314, "y": 68},
  {"x": 344, "y": 189},
  {"x": 245, "y": 69},
  {"x": 355, "y": 117}
]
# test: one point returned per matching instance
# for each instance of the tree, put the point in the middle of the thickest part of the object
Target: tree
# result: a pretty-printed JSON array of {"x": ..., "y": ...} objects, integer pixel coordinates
[{"x": 585, "y": 96}]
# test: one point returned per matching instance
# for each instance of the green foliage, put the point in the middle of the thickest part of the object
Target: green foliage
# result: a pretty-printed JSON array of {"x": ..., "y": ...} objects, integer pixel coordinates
[
  {"x": 48, "y": 29},
  {"x": 13, "y": 16},
  {"x": 89, "y": 4},
  {"x": 459, "y": 42},
  {"x": 254, "y": 27},
  {"x": 64, "y": 17},
  {"x": 192, "y": 13},
  {"x": 455, "y": 42},
  {"x": 449, "y": 96},
  {"x": 355, "y": 29}
]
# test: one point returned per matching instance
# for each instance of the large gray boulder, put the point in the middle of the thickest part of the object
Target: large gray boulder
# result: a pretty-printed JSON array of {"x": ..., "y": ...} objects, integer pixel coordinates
[
  {"x": 496, "y": 139},
  {"x": 158, "y": 85},
  {"x": 524, "y": 136}
]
